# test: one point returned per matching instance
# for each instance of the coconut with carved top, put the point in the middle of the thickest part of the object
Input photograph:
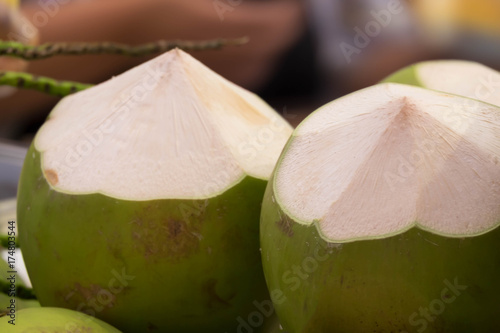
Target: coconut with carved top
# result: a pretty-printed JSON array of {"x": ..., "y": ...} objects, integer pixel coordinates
[
  {"x": 382, "y": 216},
  {"x": 139, "y": 199},
  {"x": 459, "y": 77},
  {"x": 53, "y": 320}
]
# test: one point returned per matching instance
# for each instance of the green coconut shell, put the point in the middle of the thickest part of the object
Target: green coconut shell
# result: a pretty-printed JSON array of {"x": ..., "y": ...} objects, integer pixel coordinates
[
  {"x": 476, "y": 81},
  {"x": 273, "y": 325},
  {"x": 159, "y": 265},
  {"x": 379, "y": 285},
  {"x": 54, "y": 320},
  {"x": 407, "y": 75}
]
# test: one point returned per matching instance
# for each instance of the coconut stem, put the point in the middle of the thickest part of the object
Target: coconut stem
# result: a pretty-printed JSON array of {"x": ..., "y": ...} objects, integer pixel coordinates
[
  {"x": 30, "y": 52},
  {"x": 41, "y": 83}
]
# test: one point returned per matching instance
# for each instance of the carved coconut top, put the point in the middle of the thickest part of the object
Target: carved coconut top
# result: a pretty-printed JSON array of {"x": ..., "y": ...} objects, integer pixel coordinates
[
  {"x": 382, "y": 160},
  {"x": 169, "y": 128}
]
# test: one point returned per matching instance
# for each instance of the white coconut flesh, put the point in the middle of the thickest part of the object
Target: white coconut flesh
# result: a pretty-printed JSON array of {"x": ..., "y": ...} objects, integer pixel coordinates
[
  {"x": 169, "y": 128},
  {"x": 382, "y": 160},
  {"x": 463, "y": 78}
]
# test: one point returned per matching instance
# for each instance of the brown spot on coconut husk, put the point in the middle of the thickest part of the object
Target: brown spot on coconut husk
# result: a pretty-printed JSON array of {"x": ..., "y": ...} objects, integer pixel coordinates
[
  {"x": 285, "y": 225},
  {"x": 52, "y": 177},
  {"x": 160, "y": 237},
  {"x": 105, "y": 297},
  {"x": 92, "y": 297},
  {"x": 214, "y": 300}
]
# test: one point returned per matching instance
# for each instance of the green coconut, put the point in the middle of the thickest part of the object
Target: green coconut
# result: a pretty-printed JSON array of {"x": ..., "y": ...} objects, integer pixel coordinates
[
  {"x": 382, "y": 216},
  {"x": 54, "y": 320},
  {"x": 459, "y": 77},
  {"x": 272, "y": 325},
  {"x": 139, "y": 199}
]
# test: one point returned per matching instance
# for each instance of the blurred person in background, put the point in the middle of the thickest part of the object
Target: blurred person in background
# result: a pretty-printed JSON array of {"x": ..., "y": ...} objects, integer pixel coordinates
[
  {"x": 301, "y": 54},
  {"x": 362, "y": 41},
  {"x": 272, "y": 26},
  {"x": 465, "y": 29},
  {"x": 282, "y": 61}
]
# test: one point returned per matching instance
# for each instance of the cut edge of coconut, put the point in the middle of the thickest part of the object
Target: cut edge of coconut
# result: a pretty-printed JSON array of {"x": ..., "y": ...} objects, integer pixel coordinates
[
  {"x": 206, "y": 131},
  {"x": 425, "y": 177},
  {"x": 326, "y": 237},
  {"x": 459, "y": 77}
]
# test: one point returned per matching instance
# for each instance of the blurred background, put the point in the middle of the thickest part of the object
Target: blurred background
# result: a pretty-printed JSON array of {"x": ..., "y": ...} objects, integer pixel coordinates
[{"x": 301, "y": 54}]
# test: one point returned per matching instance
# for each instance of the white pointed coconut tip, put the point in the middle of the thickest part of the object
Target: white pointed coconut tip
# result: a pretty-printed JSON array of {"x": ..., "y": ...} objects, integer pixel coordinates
[
  {"x": 169, "y": 128},
  {"x": 465, "y": 78},
  {"x": 390, "y": 157}
]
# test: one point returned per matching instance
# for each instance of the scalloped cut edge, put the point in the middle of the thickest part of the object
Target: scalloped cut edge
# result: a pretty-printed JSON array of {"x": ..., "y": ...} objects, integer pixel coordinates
[
  {"x": 384, "y": 159},
  {"x": 169, "y": 128}
]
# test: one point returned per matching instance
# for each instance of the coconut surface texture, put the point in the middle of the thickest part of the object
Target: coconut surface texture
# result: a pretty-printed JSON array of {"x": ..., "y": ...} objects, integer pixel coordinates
[
  {"x": 459, "y": 77},
  {"x": 140, "y": 198},
  {"x": 382, "y": 216},
  {"x": 54, "y": 320}
]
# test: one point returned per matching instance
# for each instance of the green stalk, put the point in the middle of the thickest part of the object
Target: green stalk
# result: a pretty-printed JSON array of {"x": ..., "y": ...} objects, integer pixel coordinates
[
  {"x": 30, "y": 52},
  {"x": 41, "y": 83}
]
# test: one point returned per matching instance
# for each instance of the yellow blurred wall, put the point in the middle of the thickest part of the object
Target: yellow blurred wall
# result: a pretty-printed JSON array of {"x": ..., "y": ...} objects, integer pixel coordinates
[{"x": 473, "y": 14}]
